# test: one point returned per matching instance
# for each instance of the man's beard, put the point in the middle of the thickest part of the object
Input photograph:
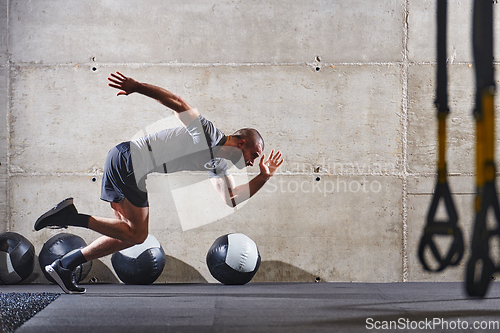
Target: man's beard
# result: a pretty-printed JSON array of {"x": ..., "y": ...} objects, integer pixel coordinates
[{"x": 238, "y": 160}]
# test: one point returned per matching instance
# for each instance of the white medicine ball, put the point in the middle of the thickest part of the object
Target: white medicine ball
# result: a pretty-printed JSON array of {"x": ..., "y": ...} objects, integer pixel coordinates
[{"x": 233, "y": 259}]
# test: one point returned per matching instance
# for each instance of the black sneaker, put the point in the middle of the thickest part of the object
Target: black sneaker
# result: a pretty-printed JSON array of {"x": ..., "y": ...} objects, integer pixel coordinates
[
  {"x": 64, "y": 278},
  {"x": 58, "y": 216}
]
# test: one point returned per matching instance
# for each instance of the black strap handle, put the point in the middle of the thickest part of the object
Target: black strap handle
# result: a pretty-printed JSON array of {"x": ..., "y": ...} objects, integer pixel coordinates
[
  {"x": 442, "y": 228},
  {"x": 478, "y": 276},
  {"x": 480, "y": 266}
]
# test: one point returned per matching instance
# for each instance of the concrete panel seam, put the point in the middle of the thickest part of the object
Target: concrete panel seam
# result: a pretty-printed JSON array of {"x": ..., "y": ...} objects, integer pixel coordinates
[
  {"x": 284, "y": 173},
  {"x": 251, "y": 174},
  {"x": 8, "y": 118},
  {"x": 208, "y": 64},
  {"x": 429, "y": 194},
  {"x": 426, "y": 63},
  {"x": 235, "y": 64},
  {"x": 404, "y": 120},
  {"x": 343, "y": 174},
  {"x": 433, "y": 174},
  {"x": 54, "y": 174}
]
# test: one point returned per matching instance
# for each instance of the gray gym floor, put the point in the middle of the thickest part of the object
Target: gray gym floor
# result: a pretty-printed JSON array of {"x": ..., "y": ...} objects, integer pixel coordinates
[{"x": 263, "y": 307}]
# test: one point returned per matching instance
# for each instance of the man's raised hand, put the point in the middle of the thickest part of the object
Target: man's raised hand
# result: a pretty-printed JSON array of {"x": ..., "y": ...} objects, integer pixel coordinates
[
  {"x": 272, "y": 163},
  {"x": 126, "y": 85}
]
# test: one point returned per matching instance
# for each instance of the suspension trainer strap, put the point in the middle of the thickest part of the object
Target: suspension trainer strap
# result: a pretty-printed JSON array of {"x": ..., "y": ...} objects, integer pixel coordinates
[
  {"x": 442, "y": 192},
  {"x": 153, "y": 157},
  {"x": 229, "y": 189},
  {"x": 480, "y": 266}
]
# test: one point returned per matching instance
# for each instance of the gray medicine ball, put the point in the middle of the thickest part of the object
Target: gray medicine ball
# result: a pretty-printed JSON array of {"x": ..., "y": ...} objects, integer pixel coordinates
[{"x": 233, "y": 259}]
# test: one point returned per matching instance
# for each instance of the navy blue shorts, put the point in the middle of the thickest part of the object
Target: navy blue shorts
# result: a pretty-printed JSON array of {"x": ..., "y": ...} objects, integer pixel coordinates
[{"x": 118, "y": 180}]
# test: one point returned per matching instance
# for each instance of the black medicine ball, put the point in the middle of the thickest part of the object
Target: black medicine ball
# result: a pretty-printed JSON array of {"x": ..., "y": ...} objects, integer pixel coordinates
[
  {"x": 58, "y": 246},
  {"x": 17, "y": 258},
  {"x": 141, "y": 263}
]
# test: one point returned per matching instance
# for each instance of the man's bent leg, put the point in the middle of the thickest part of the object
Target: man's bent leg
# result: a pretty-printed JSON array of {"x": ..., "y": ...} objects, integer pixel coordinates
[
  {"x": 129, "y": 226},
  {"x": 62, "y": 270},
  {"x": 104, "y": 246}
]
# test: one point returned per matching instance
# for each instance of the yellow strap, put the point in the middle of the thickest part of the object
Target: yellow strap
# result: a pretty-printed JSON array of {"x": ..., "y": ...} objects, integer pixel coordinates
[
  {"x": 485, "y": 142},
  {"x": 442, "y": 148}
]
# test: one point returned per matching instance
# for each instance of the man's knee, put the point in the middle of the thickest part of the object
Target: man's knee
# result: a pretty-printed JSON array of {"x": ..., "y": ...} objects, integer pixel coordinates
[
  {"x": 133, "y": 232},
  {"x": 139, "y": 237},
  {"x": 137, "y": 220}
]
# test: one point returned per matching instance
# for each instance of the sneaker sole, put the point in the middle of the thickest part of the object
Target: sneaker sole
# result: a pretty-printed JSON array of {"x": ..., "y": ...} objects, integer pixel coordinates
[
  {"x": 58, "y": 280},
  {"x": 60, "y": 206}
]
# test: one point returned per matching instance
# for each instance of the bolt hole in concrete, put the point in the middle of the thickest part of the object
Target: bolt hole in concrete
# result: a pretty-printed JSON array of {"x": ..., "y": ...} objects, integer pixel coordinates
[
  {"x": 318, "y": 69},
  {"x": 94, "y": 69},
  {"x": 318, "y": 179},
  {"x": 318, "y": 279},
  {"x": 94, "y": 179},
  {"x": 318, "y": 58}
]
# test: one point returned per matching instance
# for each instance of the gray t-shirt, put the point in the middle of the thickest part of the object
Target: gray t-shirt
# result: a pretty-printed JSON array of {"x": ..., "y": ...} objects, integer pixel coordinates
[{"x": 191, "y": 148}]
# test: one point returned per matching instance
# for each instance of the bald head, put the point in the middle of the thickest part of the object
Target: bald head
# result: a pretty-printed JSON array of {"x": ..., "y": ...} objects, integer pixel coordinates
[{"x": 251, "y": 136}]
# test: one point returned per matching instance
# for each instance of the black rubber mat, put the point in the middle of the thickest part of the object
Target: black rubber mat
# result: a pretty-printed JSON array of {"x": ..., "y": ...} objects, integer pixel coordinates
[
  {"x": 267, "y": 307},
  {"x": 17, "y": 308}
]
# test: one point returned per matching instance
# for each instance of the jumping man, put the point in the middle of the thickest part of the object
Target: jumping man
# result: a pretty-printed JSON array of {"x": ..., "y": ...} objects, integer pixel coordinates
[{"x": 197, "y": 145}]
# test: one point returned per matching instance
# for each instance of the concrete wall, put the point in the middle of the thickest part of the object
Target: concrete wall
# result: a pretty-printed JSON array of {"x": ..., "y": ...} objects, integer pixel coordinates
[{"x": 344, "y": 88}]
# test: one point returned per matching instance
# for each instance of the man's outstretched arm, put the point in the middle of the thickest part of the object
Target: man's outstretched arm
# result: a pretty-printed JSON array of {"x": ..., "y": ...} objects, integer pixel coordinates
[
  {"x": 234, "y": 195},
  {"x": 128, "y": 85}
]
